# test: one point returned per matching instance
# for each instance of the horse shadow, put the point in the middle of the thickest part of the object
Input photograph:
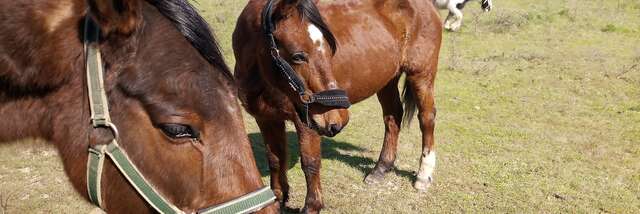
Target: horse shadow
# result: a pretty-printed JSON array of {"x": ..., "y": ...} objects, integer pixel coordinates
[{"x": 331, "y": 150}]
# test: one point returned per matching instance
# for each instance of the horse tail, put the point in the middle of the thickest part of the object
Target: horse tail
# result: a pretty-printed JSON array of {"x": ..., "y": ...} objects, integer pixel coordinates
[{"x": 409, "y": 102}]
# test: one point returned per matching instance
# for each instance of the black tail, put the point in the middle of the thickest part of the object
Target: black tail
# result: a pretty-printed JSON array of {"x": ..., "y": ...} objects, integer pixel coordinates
[{"x": 410, "y": 105}]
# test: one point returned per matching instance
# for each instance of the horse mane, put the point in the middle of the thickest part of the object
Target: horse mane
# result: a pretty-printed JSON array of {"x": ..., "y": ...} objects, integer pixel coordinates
[
  {"x": 308, "y": 10},
  {"x": 195, "y": 29}
]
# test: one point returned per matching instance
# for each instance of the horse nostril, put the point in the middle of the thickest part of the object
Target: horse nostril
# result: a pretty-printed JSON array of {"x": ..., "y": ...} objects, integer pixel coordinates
[{"x": 335, "y": 128}]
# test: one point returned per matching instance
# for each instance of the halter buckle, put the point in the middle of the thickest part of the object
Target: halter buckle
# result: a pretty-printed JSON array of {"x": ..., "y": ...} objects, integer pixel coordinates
[
  {"x": 114, "y": 129},
  {"x": 307, "y": 98},
  {"x": 274, "y": 52}
]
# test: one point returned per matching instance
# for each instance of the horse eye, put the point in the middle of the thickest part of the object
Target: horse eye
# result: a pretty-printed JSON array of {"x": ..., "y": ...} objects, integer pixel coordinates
[
  {"x": 299, "y": 57},
  {"x": 179, "y": 131}
]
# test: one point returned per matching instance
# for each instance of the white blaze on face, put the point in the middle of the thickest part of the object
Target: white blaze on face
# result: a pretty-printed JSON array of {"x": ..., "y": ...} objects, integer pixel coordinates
[
  {"x": 316, "y": 36},
  {"x": 427, "y": 166}
]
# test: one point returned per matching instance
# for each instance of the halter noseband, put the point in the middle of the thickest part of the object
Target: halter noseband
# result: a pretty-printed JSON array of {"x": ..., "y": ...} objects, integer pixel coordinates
[
  {"x": 97, "y": 154},
  {"x": 329, "y": 98}
]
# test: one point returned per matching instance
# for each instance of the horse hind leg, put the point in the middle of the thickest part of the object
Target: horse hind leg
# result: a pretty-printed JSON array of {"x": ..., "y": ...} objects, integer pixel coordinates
[
  {"x": 420, "y": 93},
  {"x": 275, "y": 139},
  {"x": 389, "y": 99},
  {"x": 454, "y": 19},
  {"x": 448, "y": 21},
  {"x": 455, "y": 26}
]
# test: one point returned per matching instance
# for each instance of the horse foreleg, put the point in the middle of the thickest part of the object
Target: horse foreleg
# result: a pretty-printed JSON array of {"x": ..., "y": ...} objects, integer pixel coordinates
[
  {"x": 275, "y": 139},
  {"x": 310, "y": 153},
  {"x": 389, "y": 99},
  {"x": 422, "y": 86}
]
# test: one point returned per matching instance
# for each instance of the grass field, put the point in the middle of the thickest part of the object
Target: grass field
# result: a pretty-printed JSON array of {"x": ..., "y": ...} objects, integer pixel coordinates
[{"x": 539, "y": 112}]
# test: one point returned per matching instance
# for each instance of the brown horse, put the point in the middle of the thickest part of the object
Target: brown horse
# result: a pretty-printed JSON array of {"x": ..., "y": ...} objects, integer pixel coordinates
[
  {"x": 170, "y": 93},
  {"x": 359, "y": 46}
]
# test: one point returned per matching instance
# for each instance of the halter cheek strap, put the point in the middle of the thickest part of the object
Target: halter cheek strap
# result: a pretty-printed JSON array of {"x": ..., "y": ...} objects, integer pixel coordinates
[
  {"x": 329, "y": 98},
  {"x": 100, "y": 118}
]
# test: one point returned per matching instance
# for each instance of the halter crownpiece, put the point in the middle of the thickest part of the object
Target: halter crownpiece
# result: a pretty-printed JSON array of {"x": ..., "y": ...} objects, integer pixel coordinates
[
  {"x": 329, "y": 98},
  {"x": 100, "y": 118}
]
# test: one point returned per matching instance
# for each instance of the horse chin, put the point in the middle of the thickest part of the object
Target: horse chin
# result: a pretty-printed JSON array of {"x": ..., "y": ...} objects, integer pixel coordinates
[
  {"x": 325, "y": 133},
  {"x": 327, "y": 127}
]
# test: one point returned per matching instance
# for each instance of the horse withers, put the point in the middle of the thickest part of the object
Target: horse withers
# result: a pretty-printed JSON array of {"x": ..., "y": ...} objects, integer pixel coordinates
[
  {"x": 454, "y": 19},
  {"x": 174, "y": 136},
  {"x": 360, "y": 47}
]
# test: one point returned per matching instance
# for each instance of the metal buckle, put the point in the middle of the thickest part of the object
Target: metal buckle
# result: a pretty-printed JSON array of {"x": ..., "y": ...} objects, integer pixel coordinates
[
  {"x": 113, "y": 129},
  {"x": 274, "y": 52},
  {"x": 307, "y": 98}
]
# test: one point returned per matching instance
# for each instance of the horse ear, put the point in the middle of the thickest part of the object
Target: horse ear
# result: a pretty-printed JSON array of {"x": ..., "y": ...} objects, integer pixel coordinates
[{"x": 116, "y": 16}]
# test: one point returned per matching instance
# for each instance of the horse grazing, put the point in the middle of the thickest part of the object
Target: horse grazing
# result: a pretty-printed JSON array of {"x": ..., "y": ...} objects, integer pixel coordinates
[
  {"x": 174, "y": 134},
  {"x": 358, "y": 46},
  {"x": 454, "y": 19}
]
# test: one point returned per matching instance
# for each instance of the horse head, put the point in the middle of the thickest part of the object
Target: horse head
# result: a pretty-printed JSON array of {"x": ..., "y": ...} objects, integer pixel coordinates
[
  {"x": 301, "y": 47},
  {"x": 174, "y": 103}
]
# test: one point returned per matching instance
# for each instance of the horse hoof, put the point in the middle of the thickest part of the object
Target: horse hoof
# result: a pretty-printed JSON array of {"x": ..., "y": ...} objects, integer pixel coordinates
[
  {"x": 373, "y": 178},
  {"x": 287, "y": 209},
  {"x": 422, "y": 185}
]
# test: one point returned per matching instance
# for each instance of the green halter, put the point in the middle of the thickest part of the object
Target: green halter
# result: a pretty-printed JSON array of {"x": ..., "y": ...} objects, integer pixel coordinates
[{"x": 97, "y": 154}]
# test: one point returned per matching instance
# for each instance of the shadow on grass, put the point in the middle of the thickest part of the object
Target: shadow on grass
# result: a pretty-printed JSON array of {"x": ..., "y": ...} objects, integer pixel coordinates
[{"x": 331, "y": 150}]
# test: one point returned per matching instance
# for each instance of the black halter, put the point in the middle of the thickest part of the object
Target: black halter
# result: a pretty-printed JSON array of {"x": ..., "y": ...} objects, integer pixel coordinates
[{"x": 329, "y": 98}]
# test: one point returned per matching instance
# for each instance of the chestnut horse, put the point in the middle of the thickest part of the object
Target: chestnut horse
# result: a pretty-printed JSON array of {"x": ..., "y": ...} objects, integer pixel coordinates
[
  {"x": 359, "y": 46},
  {"x": 171, "y": 96}
]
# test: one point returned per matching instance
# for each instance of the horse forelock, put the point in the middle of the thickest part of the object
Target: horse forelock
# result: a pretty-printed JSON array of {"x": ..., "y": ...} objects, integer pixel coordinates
[{"x": 309, "y": 11}]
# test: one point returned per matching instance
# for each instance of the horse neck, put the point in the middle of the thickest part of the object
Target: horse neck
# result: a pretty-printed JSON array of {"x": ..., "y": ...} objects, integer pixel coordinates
[
  {"x": 37, "y": 116},
  {"x": 41, "y": 83}
]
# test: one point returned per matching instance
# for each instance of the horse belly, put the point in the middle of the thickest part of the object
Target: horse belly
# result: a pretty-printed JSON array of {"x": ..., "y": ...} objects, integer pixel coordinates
[{"x": 368, "y": 61}]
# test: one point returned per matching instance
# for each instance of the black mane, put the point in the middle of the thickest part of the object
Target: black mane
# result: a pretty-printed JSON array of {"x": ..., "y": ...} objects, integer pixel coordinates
[{"x": 194, "y": 28}]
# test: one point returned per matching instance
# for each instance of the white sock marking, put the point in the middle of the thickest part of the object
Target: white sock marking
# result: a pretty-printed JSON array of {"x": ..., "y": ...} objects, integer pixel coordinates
[{"x": 427, "y": 166}]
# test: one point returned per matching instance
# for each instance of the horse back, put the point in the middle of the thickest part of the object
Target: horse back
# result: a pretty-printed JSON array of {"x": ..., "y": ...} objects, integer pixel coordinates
[{"x": 379, "y": 38}]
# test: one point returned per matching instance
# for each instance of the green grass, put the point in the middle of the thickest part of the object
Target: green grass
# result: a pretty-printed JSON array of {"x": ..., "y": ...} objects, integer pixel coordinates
[{"x": 539, "y": 112}]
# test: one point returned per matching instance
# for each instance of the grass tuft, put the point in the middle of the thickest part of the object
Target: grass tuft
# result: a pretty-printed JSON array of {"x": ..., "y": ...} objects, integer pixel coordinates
[
  {"x": 5, "y": 201},
  {"x": 610, "y": 28}
]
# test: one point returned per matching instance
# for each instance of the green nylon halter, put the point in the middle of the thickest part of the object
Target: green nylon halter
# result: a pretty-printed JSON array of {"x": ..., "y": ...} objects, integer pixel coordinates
[{"x": 97, "y": 154}]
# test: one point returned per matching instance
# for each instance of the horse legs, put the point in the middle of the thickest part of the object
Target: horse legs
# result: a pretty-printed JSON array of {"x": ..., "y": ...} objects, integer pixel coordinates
[
  {"x": 454, "y": 19},
  {"x": 389, "y": 99},
  {"x": 275, "y": 139},
  {"x": 422, "y": 86},
  {"x": 310, "y": 156},
  {"x": 447, "y": 22}
]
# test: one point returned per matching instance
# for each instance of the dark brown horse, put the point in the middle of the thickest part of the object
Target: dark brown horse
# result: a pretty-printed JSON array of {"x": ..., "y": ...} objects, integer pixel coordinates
[
  {"x": 170, "y": 93},
  {"x": 360, "y": 46}
]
